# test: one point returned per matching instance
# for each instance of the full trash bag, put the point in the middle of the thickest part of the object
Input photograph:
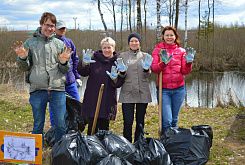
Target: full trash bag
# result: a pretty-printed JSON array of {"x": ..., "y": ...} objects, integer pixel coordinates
[
  {"x": 185, "y": 147},
  {"x": 77, "y": 149},
  {"x": 150, "y": 152},
  {"x": 74, "y": 118},
  {"x": 117, "y": 145},
  {"x": 207, "y": 128},
  {"x": 113, "y": 160}
]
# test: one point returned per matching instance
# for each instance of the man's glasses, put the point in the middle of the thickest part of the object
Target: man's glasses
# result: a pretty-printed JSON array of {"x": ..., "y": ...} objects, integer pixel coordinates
[{"x": 50, "y": 26}]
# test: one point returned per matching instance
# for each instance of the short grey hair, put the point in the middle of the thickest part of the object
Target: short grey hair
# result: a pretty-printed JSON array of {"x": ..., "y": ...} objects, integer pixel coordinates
[{"x": 108, "y": 40}]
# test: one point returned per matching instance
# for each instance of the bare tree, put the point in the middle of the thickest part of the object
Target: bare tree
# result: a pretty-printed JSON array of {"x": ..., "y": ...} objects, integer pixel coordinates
[
  {"x": 176, "y": 14},
  {"x": 186, "y": 37},
  {"x": 102, "y": 18},
  {"x": 139, "y": 21},
  {"x": 158, "y": 35},
  {"x": 129, "y": 17}
]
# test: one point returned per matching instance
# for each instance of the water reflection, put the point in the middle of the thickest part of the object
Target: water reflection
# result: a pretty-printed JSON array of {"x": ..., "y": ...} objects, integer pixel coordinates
[{"x": 208, "y": 89}]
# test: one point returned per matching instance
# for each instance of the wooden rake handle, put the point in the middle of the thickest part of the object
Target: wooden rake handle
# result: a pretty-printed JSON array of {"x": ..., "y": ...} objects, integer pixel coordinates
[
  {"x": 97, "y": 108},
  {"x": 160, "y": 104}
]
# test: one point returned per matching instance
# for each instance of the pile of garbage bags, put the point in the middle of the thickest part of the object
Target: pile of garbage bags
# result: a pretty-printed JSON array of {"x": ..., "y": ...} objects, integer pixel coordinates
[{"x": 175, "y": 147}]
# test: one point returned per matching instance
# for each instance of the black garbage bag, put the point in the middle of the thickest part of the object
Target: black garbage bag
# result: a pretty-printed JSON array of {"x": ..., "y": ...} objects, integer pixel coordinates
[
  {"x": 74, "y": 118},
  {"x": 186, "y": 147},
  {"x": 113, "y": 160},
  {"x": 150, "y": 152},
  {"x": 207, "y": 128},
  {"x": 117, "y": 145},
  {"x": 49, "y": 137},
  {"x": 96, "y": 148},
  {"x": 76, "y": 149}
]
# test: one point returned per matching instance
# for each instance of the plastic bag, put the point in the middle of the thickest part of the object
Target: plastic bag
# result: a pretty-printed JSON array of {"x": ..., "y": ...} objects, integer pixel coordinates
[
  {"x": 77, "y": 149},
  {"x": 186, "y": 148},
  {"x": 113, "y": 160},
  {"x": 200, "y": 128},
  {"x": 74, "y": 118},
  {"x": 117, "y": 145},
  {"x": 150, "y": 152},
  {"x": 49, "y": 137}
]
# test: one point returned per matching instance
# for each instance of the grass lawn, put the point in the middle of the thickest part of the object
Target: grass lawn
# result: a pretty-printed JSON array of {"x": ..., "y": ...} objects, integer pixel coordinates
[{"x": 227, "y": 124}]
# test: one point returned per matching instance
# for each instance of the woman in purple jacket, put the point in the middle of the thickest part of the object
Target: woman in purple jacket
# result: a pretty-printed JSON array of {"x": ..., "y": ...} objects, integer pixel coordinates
[{"x": 97, "y": 66}]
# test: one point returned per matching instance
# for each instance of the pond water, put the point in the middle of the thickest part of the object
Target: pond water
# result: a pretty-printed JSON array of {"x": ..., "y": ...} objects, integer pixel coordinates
[{"x": 208, "y": 89}]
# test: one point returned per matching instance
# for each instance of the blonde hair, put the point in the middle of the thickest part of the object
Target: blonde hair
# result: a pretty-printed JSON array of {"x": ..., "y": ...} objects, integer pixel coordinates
[{"x": 108, "y": 40}]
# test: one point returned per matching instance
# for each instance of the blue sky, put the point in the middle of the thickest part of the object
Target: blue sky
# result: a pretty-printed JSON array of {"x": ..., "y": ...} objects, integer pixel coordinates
[{"x": 25, "y": 14}]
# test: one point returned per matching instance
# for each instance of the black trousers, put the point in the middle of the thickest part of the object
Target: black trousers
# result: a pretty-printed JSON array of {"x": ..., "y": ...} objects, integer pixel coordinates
[
  {"x": 128, "y": 119},
  {"x": 102, "y": 124}
]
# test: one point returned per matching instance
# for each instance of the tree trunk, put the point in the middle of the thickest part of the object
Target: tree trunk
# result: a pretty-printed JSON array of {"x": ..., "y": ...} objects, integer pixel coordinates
[
  {"x": 102, "y": 18},
  {"x": 114, "y": 19},
  {"x": 121, "y": 40},
  {"x": 186, "y": 37},
  {"x": 139, "y": 21},
  {"x": 158, "y": 30},
  {"x": 129, "y": 17},
  {"x": 176, "y": 14},
  {"x": 145, "y": 23}
]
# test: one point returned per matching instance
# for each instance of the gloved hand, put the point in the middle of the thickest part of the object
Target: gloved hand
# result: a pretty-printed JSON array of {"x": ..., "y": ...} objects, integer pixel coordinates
[
  {"x": 164, "y": 56},
  {"x": 113, "y": 75},
  {"x": 190, "y": 54},
  {"x": 79, "y": 83},
  {"x": 121, "y": 67},
  {"x": 87, "y": 55},
  {"x": 19, "y": 49},
  {"x": 146, "y": 62}
]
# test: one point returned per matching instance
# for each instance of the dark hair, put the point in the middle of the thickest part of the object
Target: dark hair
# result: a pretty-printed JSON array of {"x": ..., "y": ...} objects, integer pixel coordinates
[
  {"x": 177, "y": 40},
  {"x": 46, "y": 16}
]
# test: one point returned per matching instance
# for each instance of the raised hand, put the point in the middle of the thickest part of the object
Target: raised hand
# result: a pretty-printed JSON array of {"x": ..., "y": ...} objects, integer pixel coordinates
[
  {"x": 113, "y": 75},
  {"x": 87, "y": 56},
  {"x": 146, "y": 62},
  {"x": 65, "y": 56},
  {"x": 121, "y": 67},
  {"x": 190, "y": 54},
  {"x": 19, "y": 49},
  {"x": 164, "y": 56}
]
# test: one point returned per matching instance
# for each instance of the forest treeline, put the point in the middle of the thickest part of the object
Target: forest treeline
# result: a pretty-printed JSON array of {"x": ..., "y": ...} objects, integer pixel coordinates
[{"x": 220, "y": 50}]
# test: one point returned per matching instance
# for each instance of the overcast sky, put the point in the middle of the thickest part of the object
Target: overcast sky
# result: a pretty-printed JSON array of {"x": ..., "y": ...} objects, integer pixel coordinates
[{"x": 25, "y": 14}]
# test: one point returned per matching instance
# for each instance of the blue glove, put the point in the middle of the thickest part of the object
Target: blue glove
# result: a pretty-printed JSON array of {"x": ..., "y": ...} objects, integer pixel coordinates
[
  {"x": 164, "y": 56},
  {"x": 190, "y": 54},
  {"x": 87, "y": 55},
  {"x": 121, "y": 67},
  {"x": 113, "y": 75},
  {"x": 146, "y": 63}
]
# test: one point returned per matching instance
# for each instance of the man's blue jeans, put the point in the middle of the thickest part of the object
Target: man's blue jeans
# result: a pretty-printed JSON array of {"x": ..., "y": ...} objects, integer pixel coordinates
[
  {"x": 57, "y": 101},
  {"x": 72, "y": 90},
  {"x": 172, "y": 100}
]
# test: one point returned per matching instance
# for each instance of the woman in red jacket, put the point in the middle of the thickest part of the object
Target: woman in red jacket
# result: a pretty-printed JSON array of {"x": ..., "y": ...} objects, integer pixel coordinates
[{"x": 174, "y": 63}]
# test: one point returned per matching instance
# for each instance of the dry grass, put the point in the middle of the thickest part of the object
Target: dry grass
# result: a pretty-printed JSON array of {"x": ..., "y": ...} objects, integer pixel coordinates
[{"x": 229, "y": 132}]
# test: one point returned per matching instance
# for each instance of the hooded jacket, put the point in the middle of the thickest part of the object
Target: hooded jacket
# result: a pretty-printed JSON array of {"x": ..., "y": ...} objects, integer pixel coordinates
[
  {"x": 72, "y": 74},
  {"x": 42, "y": 63},
  {"x": 174, "y": 72}
]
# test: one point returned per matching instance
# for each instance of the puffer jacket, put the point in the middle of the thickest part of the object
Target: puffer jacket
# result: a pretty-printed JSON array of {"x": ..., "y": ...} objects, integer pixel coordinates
[
  {"x": 174, "y": 72},
  {"x": 42, "y": 63},
  {"x": 136, "y": 86}
]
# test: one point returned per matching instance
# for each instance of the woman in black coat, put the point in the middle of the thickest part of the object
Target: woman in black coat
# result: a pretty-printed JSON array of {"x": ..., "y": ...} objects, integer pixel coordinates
[{"x": 97, "y": 66}]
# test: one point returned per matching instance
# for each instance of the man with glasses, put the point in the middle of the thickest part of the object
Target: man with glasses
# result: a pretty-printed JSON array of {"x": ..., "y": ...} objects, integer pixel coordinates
[{"x": 46, "y": 60}]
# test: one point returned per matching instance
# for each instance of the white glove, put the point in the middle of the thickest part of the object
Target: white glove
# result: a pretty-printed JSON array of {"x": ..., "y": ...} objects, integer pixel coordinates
[{"x": 79, "y": 82}]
